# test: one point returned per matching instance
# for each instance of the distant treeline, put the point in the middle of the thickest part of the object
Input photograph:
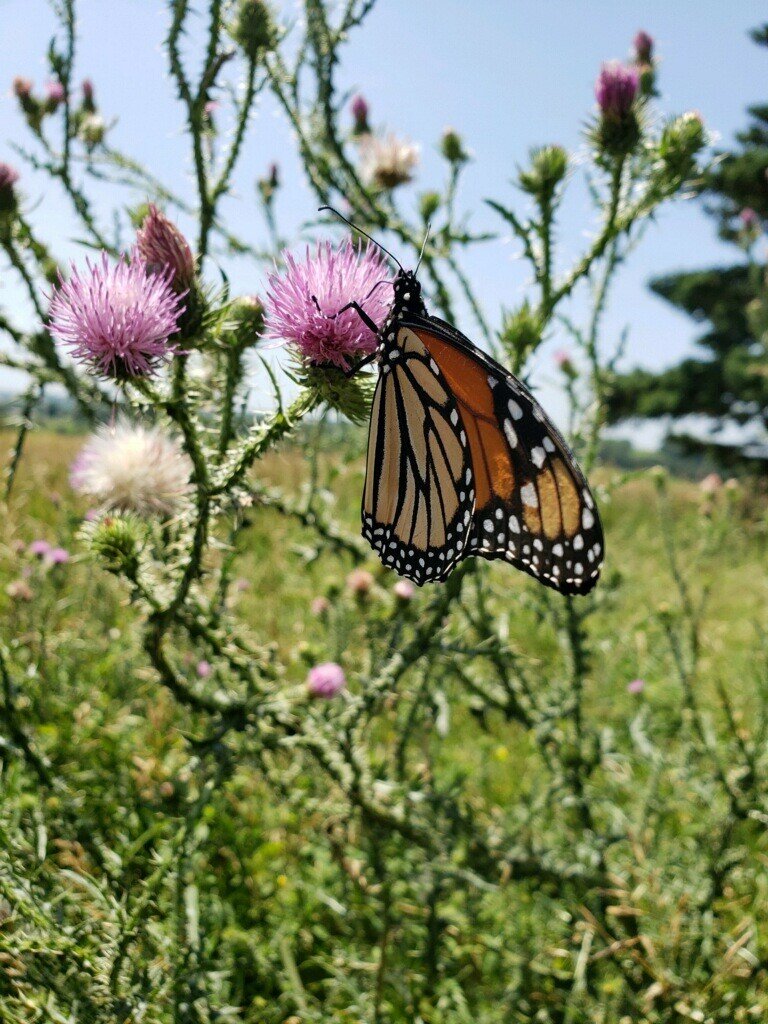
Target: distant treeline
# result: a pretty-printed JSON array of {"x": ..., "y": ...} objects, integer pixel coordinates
[{"x": 60, "y": 414}]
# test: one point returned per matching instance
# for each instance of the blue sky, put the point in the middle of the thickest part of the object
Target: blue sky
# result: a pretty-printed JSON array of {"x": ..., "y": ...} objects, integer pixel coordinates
[{"x": 507, "y": 74}]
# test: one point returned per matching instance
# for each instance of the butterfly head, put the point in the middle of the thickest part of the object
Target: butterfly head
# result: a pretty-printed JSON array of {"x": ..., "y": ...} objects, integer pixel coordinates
[{"x": 408, "y": 298}]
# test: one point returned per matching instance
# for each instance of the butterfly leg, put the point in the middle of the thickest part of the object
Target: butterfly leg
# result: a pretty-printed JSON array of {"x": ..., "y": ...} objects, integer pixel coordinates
[
  {"x": 369, "y": 323},
  {"x": 358, "y": 366}
]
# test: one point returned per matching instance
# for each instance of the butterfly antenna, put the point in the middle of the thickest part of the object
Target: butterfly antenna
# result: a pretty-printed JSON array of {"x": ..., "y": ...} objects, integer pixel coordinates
[
  {"x": 423, "y": 246},
  {"x": 361, "y": 232}
]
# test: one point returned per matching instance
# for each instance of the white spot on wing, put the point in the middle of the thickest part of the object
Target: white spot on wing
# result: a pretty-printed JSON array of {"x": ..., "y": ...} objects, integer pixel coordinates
[
  {"x": 514, "y": 408},
  {"x": 538, "y": 455},
  {"x": 529, "y": 495},
  {"x": 511, "y": 436}
]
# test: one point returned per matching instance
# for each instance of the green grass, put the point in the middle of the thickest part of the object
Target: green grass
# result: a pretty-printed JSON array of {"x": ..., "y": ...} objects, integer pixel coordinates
[{"x": 272, "y": 863}]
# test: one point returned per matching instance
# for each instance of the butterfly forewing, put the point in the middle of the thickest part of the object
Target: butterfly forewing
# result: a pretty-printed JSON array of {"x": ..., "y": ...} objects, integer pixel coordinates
[
  {"x": 419, "y": 493},
  {"x": 533, "y": 507}
]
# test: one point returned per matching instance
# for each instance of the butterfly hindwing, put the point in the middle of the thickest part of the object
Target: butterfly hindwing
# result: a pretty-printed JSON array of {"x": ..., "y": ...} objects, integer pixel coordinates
[
  {"x": 419, "y": 492},
  {"x": 533, "y": 507}
]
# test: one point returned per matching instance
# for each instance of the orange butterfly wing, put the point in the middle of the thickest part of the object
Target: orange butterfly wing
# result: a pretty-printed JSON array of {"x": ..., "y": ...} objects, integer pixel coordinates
[{"x": 533, "y": 507}]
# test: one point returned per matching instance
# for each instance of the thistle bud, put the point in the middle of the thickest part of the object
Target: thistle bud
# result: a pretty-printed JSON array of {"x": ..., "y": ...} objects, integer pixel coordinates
[
  {"x": 31, "y": 108},
  {"x": 643, "y": 47},
  {"x": 452, "y": 147},
  {"x": 429, "y": 203},
  {"x": 565, "y": 364},
  {"x": 547, "y": 169},
  {"x": 520, "y": 334},
  {"x": 89, "y": 99},
  {"x": 92, "y": 130},
  {"x": 616, "y": 90},
  {"x": 253, "y": 28},
  {"x": 269, "y": 184},
  {"x": 54, "y": 97},
  {"x": 680, "y": 142},
  {"x": 245, "y": 321},
  {"x": 161, "y": 245},
  {"x": 22, "y": 88},
  {"x": 116, "y": 540},
  {"x": 8, "y": 178},
  {"x": 359, "y": 109}
]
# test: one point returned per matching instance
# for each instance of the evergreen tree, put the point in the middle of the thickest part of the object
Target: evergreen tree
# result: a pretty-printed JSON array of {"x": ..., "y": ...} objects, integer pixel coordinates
[{"x": 728, "y": 381}]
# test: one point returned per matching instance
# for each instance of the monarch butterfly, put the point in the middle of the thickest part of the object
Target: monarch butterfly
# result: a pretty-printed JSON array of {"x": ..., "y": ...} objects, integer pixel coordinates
[{"x": 462, "y": 460}]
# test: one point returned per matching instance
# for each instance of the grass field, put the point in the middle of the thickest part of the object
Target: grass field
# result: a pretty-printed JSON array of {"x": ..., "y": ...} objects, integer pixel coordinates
[{"x": 293, "y": 934}]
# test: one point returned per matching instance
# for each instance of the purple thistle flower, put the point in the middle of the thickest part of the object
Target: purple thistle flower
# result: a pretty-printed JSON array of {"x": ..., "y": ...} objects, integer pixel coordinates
[
  {"x": 404, "y": 591},
  {"x": 57, "y": 556},
  {"x": 117, "y": 318},
  {"x": 88, "y": 90},
  {"x": 326, "y": 680},
  {"x": 39, "y": 548},
  {"x": 54, "y": 95},
  {"x": 334, "y": 277},
  {"x": 643, "y": 46},
  {"x": 749, "y": 219},
  {"x": 204, "y": 669},
  {"x": 360, "y": 582},
  {"x": 636, "y": 686},
  {"x": 320, "y": 606},
  {"x": 8, "y": 178},
  {"x": 615, "y": 90},
  {"x": 161, "y": 245},
  {"x": 360, "y": 110},
  {"x": 22, "y": 87}
]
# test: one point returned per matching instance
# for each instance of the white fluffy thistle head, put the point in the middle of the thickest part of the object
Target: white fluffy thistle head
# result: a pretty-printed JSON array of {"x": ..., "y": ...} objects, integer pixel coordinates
[
  {"x": 133, "y": 468},
  {"x": 387, "y": 161}
]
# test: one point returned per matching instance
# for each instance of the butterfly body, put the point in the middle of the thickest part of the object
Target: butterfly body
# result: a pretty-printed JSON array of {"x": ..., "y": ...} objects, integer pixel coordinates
[{"x": 463, "y": 461}]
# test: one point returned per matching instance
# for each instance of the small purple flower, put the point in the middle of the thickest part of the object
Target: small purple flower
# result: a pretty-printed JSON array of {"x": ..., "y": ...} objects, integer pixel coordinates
[
  {"x": 563, "y": 360},
  {"x": 57, "y": 556},
  {"x": 22, "y": 88},
  {"x": 39, "y": 548},
  {"x": 360, "y": 111},
  {"x": 161, "y": 245},
  {"x": 8, "y": 178},
  {"x": 360, "y": 582},
  {"x": 749, "y": 219},
  {"x": 643, "y": 47},
  {"x": 117, "y": 318},
  {"x": 88, "y": 91},
  {"x": 204, "y": 669},
  {"x": 54, "y": 95},
  {"x": 404, "y": 591},
  {"x": 210, "y": 108},
  {"x": 320, "y": 606},
  {"x": 19, "y": 590},
  {"x": 636, "y": 686},
  {"x": 333, "y": 277},
  {"x": 616, "y": 89},
  {"x": 326, "y": 680}
]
